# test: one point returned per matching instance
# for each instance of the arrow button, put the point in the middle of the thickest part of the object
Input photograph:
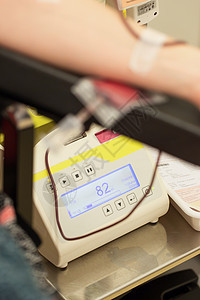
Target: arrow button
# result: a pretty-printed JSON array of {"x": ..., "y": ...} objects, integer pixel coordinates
[
  {"x": 119, "y": 204},
  {"x": 64, "y": 181},
  {"x": 107, "y": 210}
]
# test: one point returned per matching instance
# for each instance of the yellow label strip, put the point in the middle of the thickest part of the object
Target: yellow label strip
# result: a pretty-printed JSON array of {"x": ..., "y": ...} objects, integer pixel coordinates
[{"x": 109, "y": 151}]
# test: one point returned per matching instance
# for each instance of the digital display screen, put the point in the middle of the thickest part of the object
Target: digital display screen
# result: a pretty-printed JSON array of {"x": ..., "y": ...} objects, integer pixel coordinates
[{"x": 99, "y": 191}]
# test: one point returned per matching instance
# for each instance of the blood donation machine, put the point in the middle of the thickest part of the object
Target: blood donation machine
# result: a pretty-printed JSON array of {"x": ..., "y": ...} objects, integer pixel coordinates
[{"x": 98, "y": 179}]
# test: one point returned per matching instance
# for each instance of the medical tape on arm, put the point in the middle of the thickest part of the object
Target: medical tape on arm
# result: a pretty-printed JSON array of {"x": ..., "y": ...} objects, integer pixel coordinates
[{"x": 146, "y": 50}]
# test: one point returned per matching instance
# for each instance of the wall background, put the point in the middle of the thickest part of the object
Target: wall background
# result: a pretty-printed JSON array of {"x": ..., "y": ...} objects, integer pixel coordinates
[{"x": 178, "y": 18}]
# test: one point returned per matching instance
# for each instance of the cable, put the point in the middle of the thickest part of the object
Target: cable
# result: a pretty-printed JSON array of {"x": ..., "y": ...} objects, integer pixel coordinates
[
  {"x": 137, "y": 36},
  {"x": 103, "y": 228}
]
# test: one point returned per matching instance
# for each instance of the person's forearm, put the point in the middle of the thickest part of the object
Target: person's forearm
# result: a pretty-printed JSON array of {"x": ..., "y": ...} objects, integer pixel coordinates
[
  {"x": 83, "y": 36},
  {"x": 78, "y": 35}
]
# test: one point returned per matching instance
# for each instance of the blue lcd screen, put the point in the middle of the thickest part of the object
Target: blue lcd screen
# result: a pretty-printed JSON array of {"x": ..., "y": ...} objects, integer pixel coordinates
[{"x": 99, "y": 191}]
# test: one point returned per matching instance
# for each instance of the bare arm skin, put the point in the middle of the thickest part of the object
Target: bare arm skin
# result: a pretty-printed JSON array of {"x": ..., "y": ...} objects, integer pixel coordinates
[{"x": 83, "y": 36}]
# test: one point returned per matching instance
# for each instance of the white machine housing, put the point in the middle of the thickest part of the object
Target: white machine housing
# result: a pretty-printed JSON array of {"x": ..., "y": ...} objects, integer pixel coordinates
[
  {"x": 144, "y": 11},
  {"x": 99, "y": 179}
]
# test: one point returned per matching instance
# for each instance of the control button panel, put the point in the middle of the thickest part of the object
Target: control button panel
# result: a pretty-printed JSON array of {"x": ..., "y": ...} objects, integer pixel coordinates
[
  {"x": 77, "y": 175},
  {"x": 89, "y": 170},
  {"x": 107, "y": 210},
  {"x": 49, "y": 187},
  {"x": 64, "y": 181},
  {"x": 145, "y": 189},
  {"x": 119, "y": 204},
  {"x": 131, "y": 198}
]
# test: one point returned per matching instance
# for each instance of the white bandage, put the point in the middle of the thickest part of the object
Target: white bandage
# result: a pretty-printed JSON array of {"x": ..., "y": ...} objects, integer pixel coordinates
[{"x": 146, "y": 50}]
